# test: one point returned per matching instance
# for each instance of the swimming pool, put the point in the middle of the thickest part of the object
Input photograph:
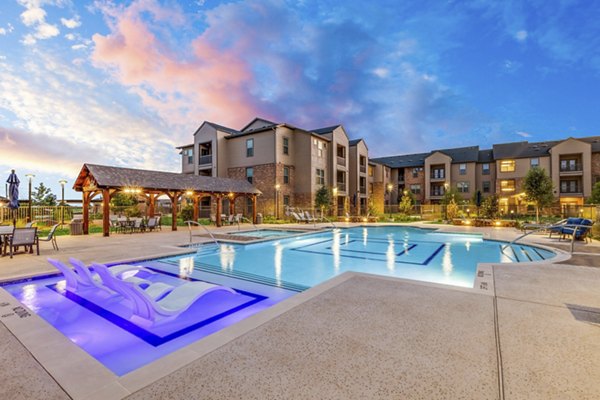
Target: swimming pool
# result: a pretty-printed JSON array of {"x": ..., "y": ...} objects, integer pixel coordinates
[
  {"x": 413, "y": 253},
  {"x": 266, "y": 233}
]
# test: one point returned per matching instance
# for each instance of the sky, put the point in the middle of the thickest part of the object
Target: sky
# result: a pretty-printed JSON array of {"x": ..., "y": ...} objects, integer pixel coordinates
[{"x": 125, "y": 82}]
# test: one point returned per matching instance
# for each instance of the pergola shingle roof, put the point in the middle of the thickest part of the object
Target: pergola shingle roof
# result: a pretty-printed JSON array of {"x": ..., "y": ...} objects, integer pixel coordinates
[{"x": 107, "y": 177}]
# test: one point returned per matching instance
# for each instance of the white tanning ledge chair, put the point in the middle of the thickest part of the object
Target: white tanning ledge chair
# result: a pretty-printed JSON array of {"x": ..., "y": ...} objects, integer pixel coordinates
[{"x": 149, "y": 311}]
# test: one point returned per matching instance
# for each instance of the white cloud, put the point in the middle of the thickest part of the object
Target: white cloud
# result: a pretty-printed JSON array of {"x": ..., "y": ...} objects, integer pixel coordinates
[
  {"x": 523, "y": 134},
  {"x": 33, "y": 16},
  {"x": 79, "y": 46},
  {"x": 70, "y": 36},
  {"x": 521, "y": 35},
  {"x": 71, "y": 23},
  {"x": 45, "y": 31},
  {"x": 2, "y": 31},
  {"x": 381, "y": 72}
]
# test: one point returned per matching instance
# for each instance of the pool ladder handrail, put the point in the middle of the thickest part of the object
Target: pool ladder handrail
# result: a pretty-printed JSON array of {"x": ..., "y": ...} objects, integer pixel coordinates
[
  {"x": 189, "y": 224},
  {"x": 328, "y": 220},
  {"x": 550, "y": 227},
  {"x": 244, "y": 218}
]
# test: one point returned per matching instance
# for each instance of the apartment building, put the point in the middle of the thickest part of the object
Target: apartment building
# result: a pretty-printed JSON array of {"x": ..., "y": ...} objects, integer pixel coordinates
[
  {"x": 573, "y": 164},
  {"x": 288, "y": 164}
]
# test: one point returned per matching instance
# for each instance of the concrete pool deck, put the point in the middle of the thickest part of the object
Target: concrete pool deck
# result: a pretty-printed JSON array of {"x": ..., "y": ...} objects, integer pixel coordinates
[{"x": 536, "y": 334}]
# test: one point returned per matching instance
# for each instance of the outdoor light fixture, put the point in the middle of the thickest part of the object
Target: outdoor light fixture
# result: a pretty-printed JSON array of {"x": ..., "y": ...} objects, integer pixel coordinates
[
  {"x": 335, "y": 190},
  {"x": 277, "y": 187},
  {"x": 468, "y": 222},
  {"x": 62, "y": 182},
  {"x": 498, "y": 223},
  {"x": 389, "y": 188},
  {"x": 189, "y": 192}
]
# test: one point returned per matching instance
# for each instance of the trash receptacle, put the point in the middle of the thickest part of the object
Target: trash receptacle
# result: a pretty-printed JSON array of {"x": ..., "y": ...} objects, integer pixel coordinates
[
  {"x": 76, "y": 227},
  {"x": 259, "y": 218}
]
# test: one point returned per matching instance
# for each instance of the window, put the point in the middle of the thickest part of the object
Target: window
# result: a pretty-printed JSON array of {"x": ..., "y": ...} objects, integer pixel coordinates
[
  {"x": 485, "y": 169},
  {"x": 250, "y": 148},
  {"x": 371, "y": 170},
  {"x": 286, "y": 200},
  {"x": 437, "y": 172},
  {"x": 286, "y": 175},
  {"x": 320, "y": 147},
  {"x": 387, "y": 173},
  {"x": 507, "y": 185},
  {"x": 249, "y": 206},
  {"x": 462, "y": 169},
  {"x": 415, "y": 172},
  {"x": 286, "y": 146},
  {"x": 534, "y": 162},
  {"x": 437, "y": 190},
  {"x": 486, "y": 186},
  {"x": 320, "y": 176},
  {"x": 570, "y": 186},
  {"x": 507, "y": 166},
  {"x": 189, "y": 153},
  {"x": 463, "y": 187},
  {"x": 250, "y": 174},
  {"x": 415, "y": 189}
]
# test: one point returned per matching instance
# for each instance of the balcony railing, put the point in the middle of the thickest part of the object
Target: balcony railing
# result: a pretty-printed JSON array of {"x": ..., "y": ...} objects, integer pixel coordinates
[
  {"x": 205, "y": 159},
  {"x": 363, "y": 168},
  {"x": 571, "y": 168},
  {"x": 363, "y": 190},
  {"x": 439, "y": 175},
  {"x": 341, "y": 187}
]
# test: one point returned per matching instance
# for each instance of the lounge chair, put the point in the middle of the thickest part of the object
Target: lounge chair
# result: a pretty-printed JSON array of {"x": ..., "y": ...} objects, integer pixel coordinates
[
  {"x": 559, "y": 226},
  {"x": 575, "y": 228},
  {"x": 173, "y": 304},
  {"x": 24, "y": 237},
  {"x": 51, "y": 237},
  {"x": 125, "y": 272},
  {"x": 153, "y": 290}
]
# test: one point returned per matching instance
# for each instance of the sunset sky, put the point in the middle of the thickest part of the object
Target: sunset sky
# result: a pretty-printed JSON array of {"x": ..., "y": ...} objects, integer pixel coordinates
[{"x": 123, "y": 83}]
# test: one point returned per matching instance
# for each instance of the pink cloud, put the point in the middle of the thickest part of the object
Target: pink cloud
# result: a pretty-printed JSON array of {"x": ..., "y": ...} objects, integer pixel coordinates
[{"x": 212, "y": 84}]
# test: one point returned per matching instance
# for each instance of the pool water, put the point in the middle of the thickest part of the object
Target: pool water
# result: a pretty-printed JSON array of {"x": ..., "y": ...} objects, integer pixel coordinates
[
  {"x": 421, "y": 254},
  {"x": 265, "y": 233}
]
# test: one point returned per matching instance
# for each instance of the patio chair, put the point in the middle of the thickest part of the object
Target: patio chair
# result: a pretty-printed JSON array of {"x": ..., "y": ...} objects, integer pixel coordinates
[
  {"x": 230, "y": 219},
  {"x": 158, "y": 223},
  {"x": 24, "y": 237},
  {"x": 125, "y": 272},
  {"x": 138, "y": 225},
  {"x": 154, "y": 290},
  {"x": 298, "y": 217},
  {"x": 239, "y": 218},
  {"x": 51, "y": 237},
  {"x": 557, "y": 228},
  {"x": 213, "y": 219},
  {"x": 580, "y": 232},
  {"x": 151, "y": 225},
  {"x": 170, "y": 306}
]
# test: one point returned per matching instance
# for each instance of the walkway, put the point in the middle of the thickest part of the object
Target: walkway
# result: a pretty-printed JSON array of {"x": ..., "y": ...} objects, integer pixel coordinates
[{"x": 536, "y": 336}]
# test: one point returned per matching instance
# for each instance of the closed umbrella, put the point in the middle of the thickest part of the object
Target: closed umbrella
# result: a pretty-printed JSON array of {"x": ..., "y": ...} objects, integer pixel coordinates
[{"x": 13, "y": 193}]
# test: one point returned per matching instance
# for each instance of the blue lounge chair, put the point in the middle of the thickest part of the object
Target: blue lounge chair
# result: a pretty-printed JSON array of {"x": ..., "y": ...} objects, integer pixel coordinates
[
  {"x": 558, "y": 227},
  {"x": 580, "y": 232}
]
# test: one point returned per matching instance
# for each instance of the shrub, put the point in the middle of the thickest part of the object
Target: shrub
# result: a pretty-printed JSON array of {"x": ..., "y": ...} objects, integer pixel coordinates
[{"x": 187, "y": 213}]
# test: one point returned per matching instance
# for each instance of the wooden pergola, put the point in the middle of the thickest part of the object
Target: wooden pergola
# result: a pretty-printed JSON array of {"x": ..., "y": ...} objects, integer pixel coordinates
[{"x": 94, "y": 180}]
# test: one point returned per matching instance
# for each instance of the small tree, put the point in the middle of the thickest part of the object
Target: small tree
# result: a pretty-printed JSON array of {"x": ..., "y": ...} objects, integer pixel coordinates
[
  {"x": 538, "y": 189},
  {"x": 322, "y": 199},
  {"x": 406, "y": 203},
  {"x": 451, "y": 194},
  {"x": 595, "y": 197},
  {"x": 451, "y": 210},
  {"x": 490, "y": 207},
  {"x": 123, "y": 200},
  {"x": 42, "y": 196}
]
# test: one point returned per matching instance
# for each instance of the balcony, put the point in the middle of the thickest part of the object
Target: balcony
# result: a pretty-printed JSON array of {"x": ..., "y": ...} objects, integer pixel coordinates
[
  {"x": 206, "y": 159},
  {"x": 341, "y": 161},
  {"x": 363, "y": 169},
  {"x": 437, "y": 175},
  {"x": 341, "y": 186},
  {"x": 363, "y": 190},
  {"x": 571, "y": 168}
]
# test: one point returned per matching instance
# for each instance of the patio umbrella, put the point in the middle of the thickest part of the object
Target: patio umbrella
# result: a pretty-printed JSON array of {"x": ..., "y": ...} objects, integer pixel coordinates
[{"x": 13, "y": 194}]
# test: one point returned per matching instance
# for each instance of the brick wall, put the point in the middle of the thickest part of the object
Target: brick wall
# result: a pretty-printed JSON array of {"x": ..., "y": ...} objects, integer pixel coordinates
[
  {"x": 419, "y": 180},
  {"x": 378, "y": 197}
]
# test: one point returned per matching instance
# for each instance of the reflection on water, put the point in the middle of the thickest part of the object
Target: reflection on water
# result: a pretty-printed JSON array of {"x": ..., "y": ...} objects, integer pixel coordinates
[
  {"x": 186, "y": 266},
  {"x": 391, "y": 254},
  {"x": 365, "y": 235},
  {"x": 447, "y": 266},
  {"x": 335, "y": 249},
  {"x": 277, "y": 261},
  {"x": 227, "y": 257},
  {"x": 468, "y": 245}
]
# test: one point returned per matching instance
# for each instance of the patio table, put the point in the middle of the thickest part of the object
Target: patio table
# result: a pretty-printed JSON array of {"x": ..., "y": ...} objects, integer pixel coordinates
[{"x": 5, "y": 232}]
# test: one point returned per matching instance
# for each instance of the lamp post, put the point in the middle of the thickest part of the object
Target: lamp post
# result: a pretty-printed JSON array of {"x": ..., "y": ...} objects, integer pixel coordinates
[
  {"x": 390, "y": 187},
  {"x": 30, "y": 176},
  {"x": 62, "y": 200},
  {"x": 334, "y": 200},
  {"x": 277, "y": 187}
]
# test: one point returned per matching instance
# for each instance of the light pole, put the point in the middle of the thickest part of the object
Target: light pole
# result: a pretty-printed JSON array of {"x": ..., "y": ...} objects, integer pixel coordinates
[
  {"x": 389, "y": 189},
  {"x": 62, "y": 182},
  {"x": 30, "y": 176},
  {"x": 334, "y": 192},
  {"x": 277, "y": 187}
]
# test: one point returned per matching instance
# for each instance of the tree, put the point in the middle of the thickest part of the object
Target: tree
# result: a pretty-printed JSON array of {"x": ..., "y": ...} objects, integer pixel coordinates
[
  {"x": 451, "y": 210},
  {"x": 451, "y": 194},
  {"x": 490, "y": 207},
  {"x": 595, "y": 197},
  {"x": 123, "y": 200},
  {"x": 538, "y": 189},
  {"x": 322, "y": 199},
  {"x": 42, "y": 196},
  {"x": 406, "y": 203}
]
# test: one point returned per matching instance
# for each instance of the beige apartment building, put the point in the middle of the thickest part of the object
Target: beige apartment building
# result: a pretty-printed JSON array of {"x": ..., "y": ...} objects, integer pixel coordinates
[
  {"x": 573, "y": 164},
  {"x": 286, "y": 163}
]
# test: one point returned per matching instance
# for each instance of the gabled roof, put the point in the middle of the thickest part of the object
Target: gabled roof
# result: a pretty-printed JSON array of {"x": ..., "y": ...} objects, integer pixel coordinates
[
  {"x": 270, "y": 123},
  {"x": 217, "y": 127},
  {"x": 486, "y": 156},
  {"x": 185, "y": 147},
  {"x": 108, "y": 177},
  {"x": 354, "y": 142},
  {"x": 326, "y": 130},
  {"x": 593, "y": 140},
  {"x": 461, "y": 154},
  {"x": 407, "y": 160},
  {"x": 522, "y": 149}
]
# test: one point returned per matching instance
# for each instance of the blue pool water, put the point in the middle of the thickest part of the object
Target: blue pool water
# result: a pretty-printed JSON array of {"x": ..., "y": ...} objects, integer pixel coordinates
[
  {"x": 265, "y": 233},
  {"x": 301, "y": 262}
]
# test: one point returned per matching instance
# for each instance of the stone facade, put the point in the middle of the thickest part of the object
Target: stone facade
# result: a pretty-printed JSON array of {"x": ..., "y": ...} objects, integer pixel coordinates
[{"x": 378, "y": 197}]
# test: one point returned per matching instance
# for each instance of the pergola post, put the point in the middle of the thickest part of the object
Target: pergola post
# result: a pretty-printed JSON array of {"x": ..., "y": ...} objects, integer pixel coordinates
[
  {"x": 254, "y": 219},
  {"x": 86, "y": 212},
  {"x": 174, "y": 201},
  {"x": 105, "y": 212},
  {"x": 196, "y": 207},
  {"x": 151, "y": 204},
  {"x": 231, "y": 205},
  {"x": 219, "y": 211}
]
